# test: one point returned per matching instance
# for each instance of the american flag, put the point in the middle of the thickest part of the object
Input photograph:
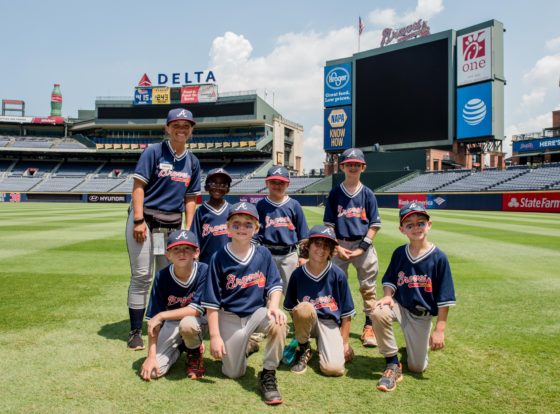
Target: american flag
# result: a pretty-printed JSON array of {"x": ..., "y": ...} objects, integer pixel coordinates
[{"x": 361, "y": 26}]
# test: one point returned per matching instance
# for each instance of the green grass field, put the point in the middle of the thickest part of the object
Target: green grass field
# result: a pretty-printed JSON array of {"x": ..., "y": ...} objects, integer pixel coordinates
[{"x": 63, "y": 284}]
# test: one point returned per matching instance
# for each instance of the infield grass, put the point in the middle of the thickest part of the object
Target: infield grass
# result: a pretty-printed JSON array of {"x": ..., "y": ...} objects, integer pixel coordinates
[{"x": 63, "y": 324}]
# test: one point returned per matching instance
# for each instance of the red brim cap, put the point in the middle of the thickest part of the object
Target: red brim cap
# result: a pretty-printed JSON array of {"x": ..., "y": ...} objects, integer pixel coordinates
[
  {"x": 353, "y": 160},
  {"x": 277, "y": 177},
  {"x": 414, "y": 212},
  {"x": 182, "y": 242}
]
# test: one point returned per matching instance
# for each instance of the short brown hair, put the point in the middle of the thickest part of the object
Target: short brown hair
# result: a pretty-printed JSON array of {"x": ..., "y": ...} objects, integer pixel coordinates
[{"x": 304, "y": 247}]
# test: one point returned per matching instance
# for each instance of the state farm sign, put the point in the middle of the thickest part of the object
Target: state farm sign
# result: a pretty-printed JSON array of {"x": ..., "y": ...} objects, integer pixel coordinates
[
  {"x": 474, "y": 57},
  {"x": 542, "y": 202}
]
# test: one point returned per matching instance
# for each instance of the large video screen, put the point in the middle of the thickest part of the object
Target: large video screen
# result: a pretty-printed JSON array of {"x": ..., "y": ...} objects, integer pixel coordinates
[{"x": 403, "y": 96}]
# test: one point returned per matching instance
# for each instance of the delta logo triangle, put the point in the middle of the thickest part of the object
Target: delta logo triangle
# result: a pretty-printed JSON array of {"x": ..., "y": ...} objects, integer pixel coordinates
[{"x": 145, "y": 81}]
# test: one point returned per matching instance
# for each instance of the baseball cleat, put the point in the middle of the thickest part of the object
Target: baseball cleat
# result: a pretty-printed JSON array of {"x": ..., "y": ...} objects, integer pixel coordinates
[
  {"x": 195, "y": 363},
  {"x": 368, "y": 337},
  {"x": 135, "y": 341},
  {"x": 303, "y": 355},
  {"x": 391, "y": 377},
  {"x": 269, "y": 387}
]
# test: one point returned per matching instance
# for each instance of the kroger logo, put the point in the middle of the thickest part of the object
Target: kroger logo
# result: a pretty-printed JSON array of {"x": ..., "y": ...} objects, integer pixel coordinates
[
  {"x": 474, "y": 111},
  {"x": 337, "y": 78}
]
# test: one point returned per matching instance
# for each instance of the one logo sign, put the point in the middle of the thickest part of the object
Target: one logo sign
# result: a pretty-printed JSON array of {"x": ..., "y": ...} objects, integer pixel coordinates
[
  {"x": 338, "y": 85},
  {"x": 474, "y": 111},
  {"x": 338, "y": 128},
  {"x": 474, "y": 57}
]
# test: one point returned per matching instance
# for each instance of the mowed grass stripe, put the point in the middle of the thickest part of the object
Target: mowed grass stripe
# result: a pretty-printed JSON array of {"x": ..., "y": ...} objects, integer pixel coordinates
[{"x": 501, "y": 216}]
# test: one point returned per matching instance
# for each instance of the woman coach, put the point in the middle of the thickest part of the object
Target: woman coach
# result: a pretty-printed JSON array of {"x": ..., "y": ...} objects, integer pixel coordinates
[{"x": 166, "y": 183}]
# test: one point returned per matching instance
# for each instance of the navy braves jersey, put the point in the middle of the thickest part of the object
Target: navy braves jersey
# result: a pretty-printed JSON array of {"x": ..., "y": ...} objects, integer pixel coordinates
[
  {"x": 169, "y": 292},
  {"x": 328, "y": 292},
  {"x": 168, "y": 178},
  {"x": 351, "y": 215},
  {"x": 241, "y": 286},
  {"x": 422, "y": 283},
  {"x": 281, "y": 224},
  {"x": 210, "y": 228}
]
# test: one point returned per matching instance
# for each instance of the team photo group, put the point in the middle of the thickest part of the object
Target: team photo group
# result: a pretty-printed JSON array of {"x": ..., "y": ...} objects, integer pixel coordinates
[{"x": 243, "y": 275}]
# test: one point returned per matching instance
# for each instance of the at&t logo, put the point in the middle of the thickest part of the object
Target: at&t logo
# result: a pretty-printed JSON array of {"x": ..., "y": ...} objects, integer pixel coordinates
[
  {"x": 337, "y": 78},
  {"x": 474, "y": 111}
]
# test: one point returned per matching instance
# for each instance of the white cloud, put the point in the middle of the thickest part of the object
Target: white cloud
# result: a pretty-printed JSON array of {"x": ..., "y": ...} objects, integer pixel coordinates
[
  {"x": 545, "y": 71},
  {"x": 535, "y": 97},
  {"x": 425, "y": 9},
  {"x": 553, "y": 44}
]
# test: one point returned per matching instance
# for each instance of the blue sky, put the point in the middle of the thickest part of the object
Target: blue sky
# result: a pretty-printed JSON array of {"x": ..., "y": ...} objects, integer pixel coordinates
[{"x": 102, "y": 48}]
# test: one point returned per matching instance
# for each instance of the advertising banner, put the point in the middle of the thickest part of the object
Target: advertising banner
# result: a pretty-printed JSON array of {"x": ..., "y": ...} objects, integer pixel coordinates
[
  {"x": 337, "y": 128},
  {"x": 251, "y": 198},
  {"x": 536, "y": 144},
  {"x": 474, "y": 111},
  {"x": 143, "y": 96},
  {"x": 436, "y": 201},
  {"x": 18, "y": 119},
  {"x": 338, "y": 85},
  {"x": 161, "y": 96},
  {"x": 536, "y": 202},
  {"x": 106, "y": 198},
  {"x": 199, "y": 93},
  {"x": 405, "y": 199},
  {"x": 12, "y": 197},
  {"x": 474, "y": 57}
]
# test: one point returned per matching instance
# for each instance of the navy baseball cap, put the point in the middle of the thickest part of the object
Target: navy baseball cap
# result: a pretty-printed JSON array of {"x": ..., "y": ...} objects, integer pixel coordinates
[
  {"x": 218, "y": 171},
  {"x": 277, "y": 172},
  {"x": 179, "y": 237},
  {"x": 244, "y": 208},
  {"x": 352, "y": 155},
  {"x": 321, "y": 231},
  {"x": 412, "y": 208},
  {"x": 180, "y": 114}
]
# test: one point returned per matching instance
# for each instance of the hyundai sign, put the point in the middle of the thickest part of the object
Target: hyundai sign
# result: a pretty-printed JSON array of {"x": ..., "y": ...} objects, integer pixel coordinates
[
  {"x": 474, "y": 111},
  {"x": 338, "y": 85}
]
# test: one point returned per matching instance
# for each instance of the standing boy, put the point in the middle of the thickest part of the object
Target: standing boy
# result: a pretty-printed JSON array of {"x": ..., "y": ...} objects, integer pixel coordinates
[
  {"x": 351, "y": 209},
  {"x": 242, "y": 279},
  {"x": 175, "y": 315},
  {"x": 209, "y": 224},
  {"x": 416, "y": 286},
  {"x": 321, "y": 305},
  {"x": 282, "y": 222}
]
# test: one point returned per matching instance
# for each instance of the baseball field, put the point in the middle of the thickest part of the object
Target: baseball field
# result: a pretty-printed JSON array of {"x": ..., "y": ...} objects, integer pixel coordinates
[{"x": 63, "y": 282}]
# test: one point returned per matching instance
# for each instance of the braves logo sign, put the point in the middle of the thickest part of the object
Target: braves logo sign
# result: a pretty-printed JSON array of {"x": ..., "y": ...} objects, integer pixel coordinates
[
  {"x": 217, "y": 230},
  {"x": 253, "y": 279},
  {"x": 322, "y": 302},
  {"x": 182, "y": 301},
  {"x": 415, "y": 281}
]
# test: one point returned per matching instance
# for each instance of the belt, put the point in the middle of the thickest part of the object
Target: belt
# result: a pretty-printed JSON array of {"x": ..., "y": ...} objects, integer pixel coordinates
[
  {"x": 280, "y": 250},
  {"x": 350, "y": 239},
  {"x": 418, "y": 312}
]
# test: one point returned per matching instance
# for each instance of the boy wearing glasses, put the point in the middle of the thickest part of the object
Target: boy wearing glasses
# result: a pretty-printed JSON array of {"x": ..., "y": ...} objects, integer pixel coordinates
[
  {"x": 209, "y": 223},
  {"x": 416, "y": 286},
  {"x": 351, "y": 209},
  {"x": 242, "y": 296}
]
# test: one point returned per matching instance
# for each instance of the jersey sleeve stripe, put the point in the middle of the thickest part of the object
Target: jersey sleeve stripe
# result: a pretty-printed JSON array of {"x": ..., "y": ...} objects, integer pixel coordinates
[
  {"x": 141, "y": 178},
  {"x": 195, "y": 193},
  {"x": 288, "y": 309},
  {"x": 197, "y": 307},
  {"x": 210, "y": 305},
  {"x": 347, "y": 314},
  {"x": 390, "y": 285},
  {"x": 446, "y": 304},
  {"x": 274, "y": 289}
]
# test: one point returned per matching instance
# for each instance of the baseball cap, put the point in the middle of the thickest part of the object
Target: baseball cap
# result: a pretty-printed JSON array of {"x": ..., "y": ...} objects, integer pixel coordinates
[
  {"x": 244, "y": 208},
  {"x": 179, "y": 237},
  {"x": 277, "y": 172},
  {"x": 352, "y": 155},
  {"x": 321, "y": 231},
  {"x": 180, "y": 114},
  {"x": 412, "y": 208},
  {"x": 218, "y": 171}
]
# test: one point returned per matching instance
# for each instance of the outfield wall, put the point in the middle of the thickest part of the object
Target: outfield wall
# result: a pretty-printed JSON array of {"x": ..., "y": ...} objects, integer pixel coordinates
[{"x": 530, "y": 201}]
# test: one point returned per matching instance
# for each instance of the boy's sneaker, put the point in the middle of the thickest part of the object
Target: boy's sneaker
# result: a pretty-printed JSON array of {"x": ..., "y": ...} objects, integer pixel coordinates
[
  {"x": 195, "y": 364},
  {"x": 135, "y": 341},
  {"x": 269, "y": 387},
  {"x": 368, "y": 337},
  {"x": 303, "y": 355},
  {"x": 391, "y": 376},
  {"x": 252, "y": 347}
]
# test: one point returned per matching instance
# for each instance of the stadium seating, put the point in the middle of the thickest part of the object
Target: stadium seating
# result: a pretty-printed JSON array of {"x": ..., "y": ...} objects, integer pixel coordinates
[
  {"x": 18, "y": 183},
  {"x": 536, "y": 179},
  {"x": 57, "y": 184},
  {"x": 252, "y": 185},
  {"x": 428, "y": 182},
  {"x": 482, "y": 181},
  {"x": 98, "y": 185}
]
